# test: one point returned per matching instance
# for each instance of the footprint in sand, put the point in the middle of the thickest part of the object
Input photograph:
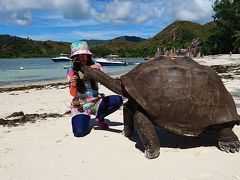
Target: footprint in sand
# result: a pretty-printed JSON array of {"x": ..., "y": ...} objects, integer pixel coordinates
[
  {"x": 197, "y": 153},
  {"x": 6, "y": 166},
  {"x": 58, "y": 141},
  {"x": 8, "y": 150}
]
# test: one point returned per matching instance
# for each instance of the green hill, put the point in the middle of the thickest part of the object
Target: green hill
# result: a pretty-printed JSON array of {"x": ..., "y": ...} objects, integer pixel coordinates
[
  {"x": 184, "y": 32},
  {"x": 177, "y": 35},
  {"x": 129, "y": 38},
  {"x": 12, "y": 46},
  {"x": 94, "y": 42}
]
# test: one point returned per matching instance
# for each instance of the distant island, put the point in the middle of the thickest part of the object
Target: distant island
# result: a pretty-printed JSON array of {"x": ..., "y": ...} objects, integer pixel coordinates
[{"x": 178, "y": 35}]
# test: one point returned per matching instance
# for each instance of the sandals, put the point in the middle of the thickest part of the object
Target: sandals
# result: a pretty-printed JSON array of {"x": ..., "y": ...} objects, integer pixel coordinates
[{"x": 102, "y": 124}]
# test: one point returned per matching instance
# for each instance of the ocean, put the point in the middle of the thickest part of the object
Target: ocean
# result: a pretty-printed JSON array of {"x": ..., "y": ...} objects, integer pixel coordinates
[{"x": 44, "y": 69}]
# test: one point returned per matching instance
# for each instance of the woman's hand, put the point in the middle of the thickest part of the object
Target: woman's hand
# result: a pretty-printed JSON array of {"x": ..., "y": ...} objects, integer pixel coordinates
[
  {"x": 95, "y": 66},
  {"x": 73, "y": 80}
]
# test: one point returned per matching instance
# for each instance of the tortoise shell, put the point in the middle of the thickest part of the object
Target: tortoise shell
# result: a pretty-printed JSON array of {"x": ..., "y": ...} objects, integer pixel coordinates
[{"x": 180, "y": 95}]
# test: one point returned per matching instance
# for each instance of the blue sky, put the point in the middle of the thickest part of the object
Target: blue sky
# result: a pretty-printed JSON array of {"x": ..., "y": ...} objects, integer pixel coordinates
[{"x": 68, "y": 20}]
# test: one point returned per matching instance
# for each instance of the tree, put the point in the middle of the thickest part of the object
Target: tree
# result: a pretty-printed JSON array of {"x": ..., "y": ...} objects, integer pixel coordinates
[
  {"x": 227, "y": 19},
  {"x": 236, "y": 43}
]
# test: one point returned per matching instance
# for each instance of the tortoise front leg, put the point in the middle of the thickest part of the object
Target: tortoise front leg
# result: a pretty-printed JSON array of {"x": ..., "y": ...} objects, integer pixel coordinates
[
  {"x": 228, "y": 141},
  {"x": 128, "y": 119},
  {"x": 147, "y": 134}
]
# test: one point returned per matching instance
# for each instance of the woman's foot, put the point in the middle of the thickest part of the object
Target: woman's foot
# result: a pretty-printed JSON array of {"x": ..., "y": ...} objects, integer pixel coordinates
[{"x": 102, "y": 124}]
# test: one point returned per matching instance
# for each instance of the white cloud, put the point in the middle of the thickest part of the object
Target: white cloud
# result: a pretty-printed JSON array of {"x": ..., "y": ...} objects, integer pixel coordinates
[
  {"x": 117, "y": 12},
  {"x": 143, "y": 11},
  {"x": 20, "y": 18},
  {"x": 14, "y": 5},
  {"x": 126, "y": 11},
  {"x": 194, "y": 10},
  {"x": 187, "y": 15},
  {"x": 22, "y": 12},
  {"x": 204, "y": 5},
  {"x": 72, "y": 9},
  {"x": 144, "y": 17}
]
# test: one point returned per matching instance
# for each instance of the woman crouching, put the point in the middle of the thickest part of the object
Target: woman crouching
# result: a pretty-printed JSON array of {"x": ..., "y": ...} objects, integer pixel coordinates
[{"x": 87, "y": 100}]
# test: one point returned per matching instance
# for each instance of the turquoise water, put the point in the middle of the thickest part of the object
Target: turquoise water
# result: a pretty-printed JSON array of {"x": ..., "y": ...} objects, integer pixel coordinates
[{"x": 44, "y": 69}]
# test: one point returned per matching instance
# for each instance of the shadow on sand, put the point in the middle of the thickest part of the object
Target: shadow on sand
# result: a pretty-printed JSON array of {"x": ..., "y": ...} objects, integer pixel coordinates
[
  {"x": 167, "y": 139},
  {"x": 171, "y": 140},
  {"x": 94, "y": 125}
]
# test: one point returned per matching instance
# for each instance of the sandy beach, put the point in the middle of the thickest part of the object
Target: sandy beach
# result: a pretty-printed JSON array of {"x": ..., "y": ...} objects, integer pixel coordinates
[{"x": 46, "y": 148}]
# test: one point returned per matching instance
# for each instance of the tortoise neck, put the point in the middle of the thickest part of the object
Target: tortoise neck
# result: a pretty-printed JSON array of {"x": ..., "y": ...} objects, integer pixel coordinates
[{"x": 107, "y": 81}]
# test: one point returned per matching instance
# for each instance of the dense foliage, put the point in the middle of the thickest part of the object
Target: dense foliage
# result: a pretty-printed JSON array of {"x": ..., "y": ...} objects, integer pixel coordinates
[
  {"x": 225, "y": 37},
  {"x": 12, "y": 46}
]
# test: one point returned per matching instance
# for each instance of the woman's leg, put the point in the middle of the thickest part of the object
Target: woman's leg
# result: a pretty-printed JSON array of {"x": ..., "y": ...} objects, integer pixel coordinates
[
  {"x": 80, "y": 124},
  {"x": 108, "y": 105}
]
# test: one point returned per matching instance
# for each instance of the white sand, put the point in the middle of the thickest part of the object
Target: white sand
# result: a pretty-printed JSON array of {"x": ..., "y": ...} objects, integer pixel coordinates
[
  {"x": 219, "y": 59},
  {"x": 47, "y": 149}
]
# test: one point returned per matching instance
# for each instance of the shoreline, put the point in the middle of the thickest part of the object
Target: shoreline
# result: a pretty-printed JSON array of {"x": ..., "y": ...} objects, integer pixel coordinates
[{"x": 39, "y": 85}]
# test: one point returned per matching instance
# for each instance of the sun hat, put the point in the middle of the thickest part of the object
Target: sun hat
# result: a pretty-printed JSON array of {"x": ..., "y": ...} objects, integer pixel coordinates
[{"x": 79, "y": 47}]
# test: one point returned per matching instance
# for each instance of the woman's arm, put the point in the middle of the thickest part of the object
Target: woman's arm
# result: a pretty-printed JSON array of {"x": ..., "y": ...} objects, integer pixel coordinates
[
  {"x": 73, "y": 91},
  {"x": 73, "y": 86},
  {"x": 72, "y": 82}
]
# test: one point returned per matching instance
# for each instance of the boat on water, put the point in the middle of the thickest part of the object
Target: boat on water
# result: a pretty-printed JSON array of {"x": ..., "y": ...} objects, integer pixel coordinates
[
  {"x": 109, "y": 62},
  {"x": 62, "y": 58},
  {"x": 113, "y": 57}
]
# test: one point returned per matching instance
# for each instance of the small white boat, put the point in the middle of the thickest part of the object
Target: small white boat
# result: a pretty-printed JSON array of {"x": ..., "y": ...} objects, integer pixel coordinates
[
  {"x": 61, "y": 58},
  {"x": 21, "y": 68},
  {"x": 109, "y": 62}
]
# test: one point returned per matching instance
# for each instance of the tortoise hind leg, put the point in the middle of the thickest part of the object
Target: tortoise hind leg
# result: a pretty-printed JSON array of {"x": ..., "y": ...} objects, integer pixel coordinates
[
  {"x": 147, "y": 134},
  {"x": 228, "y": 141},
  {"x": 128, "y": 119}
]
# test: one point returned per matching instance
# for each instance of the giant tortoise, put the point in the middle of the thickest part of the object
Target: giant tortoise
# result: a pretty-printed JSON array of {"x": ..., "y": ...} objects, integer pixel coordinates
[{"x": 176, "y": 94}]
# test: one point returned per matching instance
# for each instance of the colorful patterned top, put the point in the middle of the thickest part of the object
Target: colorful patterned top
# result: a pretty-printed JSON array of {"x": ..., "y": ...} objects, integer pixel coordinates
[{"x": 88, "y": 102}]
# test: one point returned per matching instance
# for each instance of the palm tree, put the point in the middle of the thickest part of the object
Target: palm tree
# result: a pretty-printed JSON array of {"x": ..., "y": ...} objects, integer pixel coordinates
[{"x": 236, "y": 43}]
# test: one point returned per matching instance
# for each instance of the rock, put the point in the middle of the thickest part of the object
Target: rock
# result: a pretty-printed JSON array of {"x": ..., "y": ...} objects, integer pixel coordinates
[
  {"x": 173, "y": 32},
  {"x": 194, "y": 50}
]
